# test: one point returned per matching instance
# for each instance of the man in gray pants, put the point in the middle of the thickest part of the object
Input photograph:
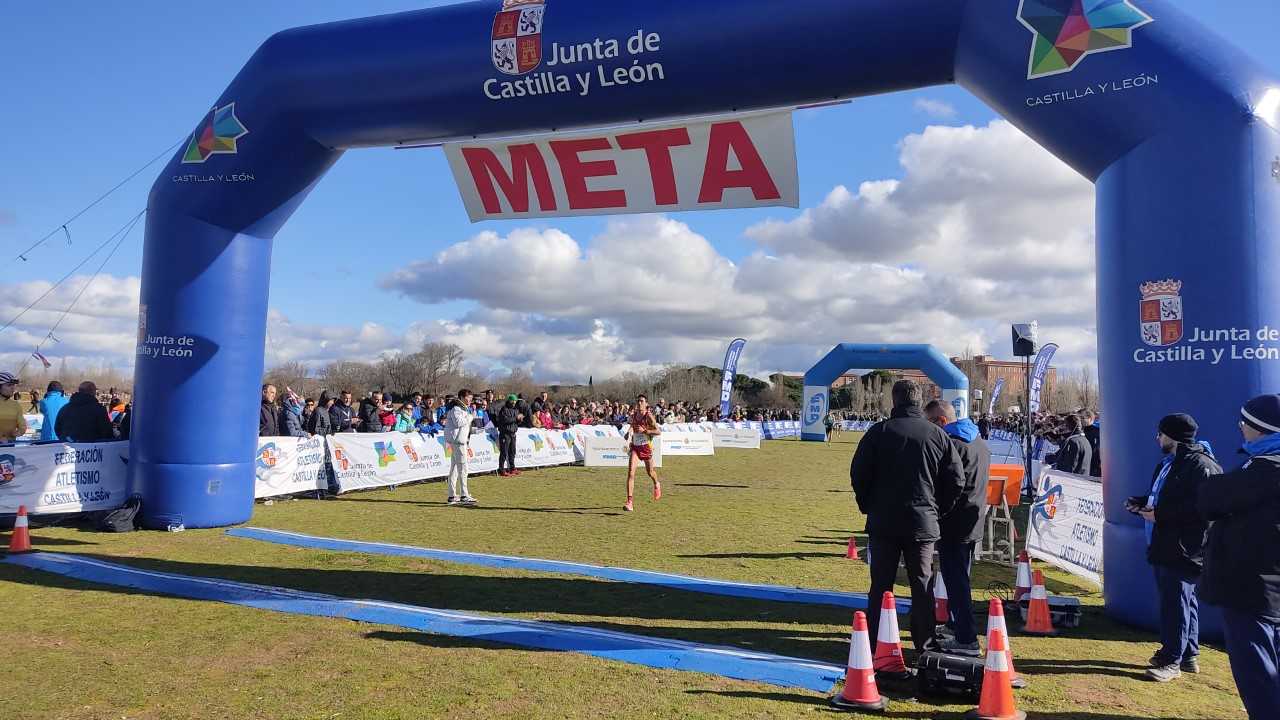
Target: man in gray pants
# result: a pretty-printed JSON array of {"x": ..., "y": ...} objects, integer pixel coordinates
[{"x": 457, "y": 432}]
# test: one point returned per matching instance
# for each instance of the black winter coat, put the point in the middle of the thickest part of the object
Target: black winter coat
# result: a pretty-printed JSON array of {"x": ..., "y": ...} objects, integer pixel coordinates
[
  {"x": 83, "y": 420},
  {"x": 1093, "y": 434},
  {"x": 964, "y": 523},
  {"x": 370, "y": 422},
  {"x": 268, "y": 420},
  {"x": 1177, "y": 538},
  {"x": 507, "y": 419},
  {"x": 1242, "y": 560},
  {"x": 340, "y": 417},
  {"x": 906, "y": 475},
  {"x": 1074, "y": 456},
  {"x": 319, "y": 423}
]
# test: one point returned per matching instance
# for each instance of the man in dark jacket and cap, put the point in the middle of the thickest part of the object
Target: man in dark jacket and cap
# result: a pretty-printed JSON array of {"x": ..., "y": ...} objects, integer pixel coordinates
[
  {"x": 1175, "y": 542},
  {"x": 507, "y": 419},
  {"x": 1075, "y": 454},
  {"x": 84, "y": 419},
  {"x": 962, "y": 527},
  {"x": 268, "y": 413},
  {"x": 906, "y": 476},
  {"x": 1242, "y": 560}
]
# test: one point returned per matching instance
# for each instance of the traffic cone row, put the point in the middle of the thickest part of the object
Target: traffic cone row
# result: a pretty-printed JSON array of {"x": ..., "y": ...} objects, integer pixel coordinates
[
  {"x": 941, "y": 614},
  {"x": 995, "y": 621},
  {"x": 860, "y": 689},
  {"x": 996, "y": 701},
  {"x": 21, "y": 540},
  {"x": 1039, "y": 619}
]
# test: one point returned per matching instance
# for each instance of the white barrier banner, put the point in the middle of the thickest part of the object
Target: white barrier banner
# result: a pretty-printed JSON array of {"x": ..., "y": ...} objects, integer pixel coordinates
[
  {"x": 745, "y": 438},
  {"x": 63, "y": 478},
  {"x": 730, "y": 162},
  {"x": 614, "y": 452},
  {"x": 1065, "y": 524},
  {"x": 288, "y": 465},
  {"x": 581, "y": 433},
  {"x": 382, "y": 459},
  {"x": 541, "y": 448},
  {"x": 684, "y": 439}
]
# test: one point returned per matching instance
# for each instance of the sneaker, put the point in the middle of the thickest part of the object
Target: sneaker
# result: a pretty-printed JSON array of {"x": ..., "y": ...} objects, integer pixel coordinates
[
  {"x": 657, "y": 491},
  {"x": 455, "y": 501},
  {"x": 1190, "y": 666},
  {"x": 953, "y": 647},
  {"x": 630, "y": 506},
  {"x": 1164, "y": 673},
  {"x": 469, "y": 501}
]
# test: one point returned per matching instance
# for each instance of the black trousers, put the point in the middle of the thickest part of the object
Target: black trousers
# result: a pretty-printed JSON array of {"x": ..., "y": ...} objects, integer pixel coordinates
[
  {"x": 506, "y": 451},
  {"x": 886, "y": 552}
]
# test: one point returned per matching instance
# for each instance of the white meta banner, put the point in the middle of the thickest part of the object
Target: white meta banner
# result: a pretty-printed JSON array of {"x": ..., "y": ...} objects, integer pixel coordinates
[
  {"x": 1065, "y": 524},
  {"x": 728, "y": 162},
  {"x": 686, "y": 439},
  {"x": 814, "y": 410},
  {"x": 288, "y": 465},
  {"x": 742, "y": 438},
  {"x": 582, "y": 433},
  {"x": 63, "y": 478},
  {"x": 615, "y": 451}
]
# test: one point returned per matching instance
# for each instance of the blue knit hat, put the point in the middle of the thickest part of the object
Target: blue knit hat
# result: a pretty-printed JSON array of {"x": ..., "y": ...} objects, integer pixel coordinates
[{"x": 1262, "y": 414}]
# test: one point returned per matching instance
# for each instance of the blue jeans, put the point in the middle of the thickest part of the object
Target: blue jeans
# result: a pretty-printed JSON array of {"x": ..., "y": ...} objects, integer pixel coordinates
[
  {"x": 957, "y": 561},
  {"x": 1253, "y": 644},
  {"x": 1179, "y": 616}
]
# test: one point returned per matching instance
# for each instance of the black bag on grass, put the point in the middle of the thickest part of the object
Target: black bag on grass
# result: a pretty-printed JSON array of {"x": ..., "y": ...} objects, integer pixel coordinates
[{"x": 122, "y": 519}]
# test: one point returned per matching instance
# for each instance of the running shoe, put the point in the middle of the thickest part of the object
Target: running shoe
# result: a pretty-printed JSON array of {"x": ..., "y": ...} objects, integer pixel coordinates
[
  {"x": 657, "y": 491},
  {"x": 455, "y": 500},
  {"x": 630, "y": 505},
  {"x": 469, "y": 501}
]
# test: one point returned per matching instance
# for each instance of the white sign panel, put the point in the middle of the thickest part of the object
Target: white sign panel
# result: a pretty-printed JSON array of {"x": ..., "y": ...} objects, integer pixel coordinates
[
  {"x": 814, "y": 410},
  {"x": 1065, "y": 524},
  {"x": 382, "y": 459},
  {"x": 728, "y": 162},
  {"x": 288, "y": 465},
  {"x": 615, "y": 452},
  {"x": 581, "y": 433},
  {"x": 684, "y": 439},
  {"x": 63, "y": 478},
  {"x": 744, "y": 438}
]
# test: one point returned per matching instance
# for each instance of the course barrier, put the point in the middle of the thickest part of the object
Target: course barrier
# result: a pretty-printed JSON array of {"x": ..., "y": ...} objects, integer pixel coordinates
[{"x": 60, "y": 478}]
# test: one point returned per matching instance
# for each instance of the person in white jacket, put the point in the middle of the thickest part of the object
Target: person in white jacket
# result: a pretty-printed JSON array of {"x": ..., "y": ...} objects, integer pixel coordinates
[{"x": 457, "y": 432}]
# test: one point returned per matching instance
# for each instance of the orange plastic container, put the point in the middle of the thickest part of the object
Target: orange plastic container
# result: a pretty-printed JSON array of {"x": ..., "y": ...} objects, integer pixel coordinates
[{"x": 1012, "y": 477}]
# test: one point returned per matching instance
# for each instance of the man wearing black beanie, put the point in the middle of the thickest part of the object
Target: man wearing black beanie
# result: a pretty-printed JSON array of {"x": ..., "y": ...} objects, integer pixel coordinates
[
  {"x": 1242, "y": 561},
  {"x": 1175, "y": 542}
]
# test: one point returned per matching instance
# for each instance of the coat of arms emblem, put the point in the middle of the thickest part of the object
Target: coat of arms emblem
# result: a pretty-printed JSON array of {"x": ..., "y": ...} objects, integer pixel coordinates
[
  {"x": 1161, "y": 312},
  {"x": 517, "y": 36},
  {"x": 7, "y": 470}
]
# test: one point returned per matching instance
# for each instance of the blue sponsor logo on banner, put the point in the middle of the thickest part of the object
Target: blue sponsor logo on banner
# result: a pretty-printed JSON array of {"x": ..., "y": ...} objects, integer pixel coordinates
[{"x": 813, "y": 414}]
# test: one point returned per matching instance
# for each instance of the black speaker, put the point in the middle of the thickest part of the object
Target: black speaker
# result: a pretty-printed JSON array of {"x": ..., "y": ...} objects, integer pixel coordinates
[{"x": 1024, "y": 340}]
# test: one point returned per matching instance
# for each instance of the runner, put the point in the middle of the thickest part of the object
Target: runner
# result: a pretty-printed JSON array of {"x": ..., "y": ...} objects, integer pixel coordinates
[{"x": 643, "y": 427}]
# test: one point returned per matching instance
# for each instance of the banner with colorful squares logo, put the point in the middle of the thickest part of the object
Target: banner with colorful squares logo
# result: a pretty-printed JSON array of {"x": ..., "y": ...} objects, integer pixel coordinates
[
  {"x": 289, "y": 465},
  {"x": 63, "y": 478},
  {"x": 373, "y": 460}
]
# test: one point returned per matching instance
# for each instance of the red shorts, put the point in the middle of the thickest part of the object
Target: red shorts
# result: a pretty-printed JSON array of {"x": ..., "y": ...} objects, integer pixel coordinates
[{"x": 644, "y": 452}]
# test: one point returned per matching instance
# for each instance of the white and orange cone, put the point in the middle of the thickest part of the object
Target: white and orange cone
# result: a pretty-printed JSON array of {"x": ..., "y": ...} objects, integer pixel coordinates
[
  {"x": 1039, "y": 619},
  {"x": 852, "y": 552},
  {"x": 995, "y": 621},
  {"x": 21, "y": 541},
  {"x": 860, "y": 689},
  {"x": 941, "y": 615},
  {"x": 996, "y": 702},
  {"x": 888, "y": 658},
  {"x": 1022, "y": 585}
]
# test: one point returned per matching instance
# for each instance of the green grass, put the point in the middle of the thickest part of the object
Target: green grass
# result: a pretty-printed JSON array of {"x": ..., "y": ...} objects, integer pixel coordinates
[{"x": 779, "y": 515}]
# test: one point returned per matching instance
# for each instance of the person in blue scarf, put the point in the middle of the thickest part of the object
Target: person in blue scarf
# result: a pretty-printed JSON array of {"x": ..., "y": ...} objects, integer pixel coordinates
[
  {"x": 1242, "y": 562},
  {"x": 1175, "y": 542}
]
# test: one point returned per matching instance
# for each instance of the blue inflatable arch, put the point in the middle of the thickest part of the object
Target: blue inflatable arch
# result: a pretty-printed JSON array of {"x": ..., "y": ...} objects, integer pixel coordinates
[
  {"x": 1175, "y": 126},
  {"x": 817, "y": 382}
]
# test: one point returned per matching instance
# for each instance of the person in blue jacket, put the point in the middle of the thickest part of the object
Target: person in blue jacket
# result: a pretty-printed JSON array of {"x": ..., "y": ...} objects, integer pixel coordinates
[{"x": 54, "y": 400}]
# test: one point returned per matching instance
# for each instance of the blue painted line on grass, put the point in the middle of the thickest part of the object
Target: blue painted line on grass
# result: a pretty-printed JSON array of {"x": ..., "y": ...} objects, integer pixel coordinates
[
  {"x": 776, "y": 593},
  {"x": 623, "y": 647}
]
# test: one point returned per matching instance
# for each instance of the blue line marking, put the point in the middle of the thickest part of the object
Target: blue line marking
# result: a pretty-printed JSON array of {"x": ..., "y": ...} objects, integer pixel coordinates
[
  {"x": 608, "y": 644},
  {"x": 776, "y": 593}
]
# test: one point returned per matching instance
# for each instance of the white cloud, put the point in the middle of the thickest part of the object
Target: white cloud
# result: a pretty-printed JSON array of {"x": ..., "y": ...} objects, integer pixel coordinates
[
  {"x": 101, "y": 329},
  {"x": 935, "y": 108}
]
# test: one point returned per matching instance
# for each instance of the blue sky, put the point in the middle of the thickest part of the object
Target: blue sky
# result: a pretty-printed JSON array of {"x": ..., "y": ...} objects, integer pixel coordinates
[{"x": 94, "y": 90}]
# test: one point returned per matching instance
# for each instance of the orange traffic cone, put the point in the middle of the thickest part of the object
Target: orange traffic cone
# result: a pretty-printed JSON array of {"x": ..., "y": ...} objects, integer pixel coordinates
[
  {"x": 940, "y": 612},
  {"x": 995, "y": 621},
  {"x": 889, "y": 658},
  {"x": 860, "y": 690},
  {"x": 21, "y": 541},
  {"x": 1039, "y": 621},
  {"x": 852, "y": 552},
  {"x": 1022, "y": 586},
  {"x": 996, "y": 702}
]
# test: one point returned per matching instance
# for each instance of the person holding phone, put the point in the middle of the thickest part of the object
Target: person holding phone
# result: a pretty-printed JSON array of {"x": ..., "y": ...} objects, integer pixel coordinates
[{"x": 1176, "y": 535}]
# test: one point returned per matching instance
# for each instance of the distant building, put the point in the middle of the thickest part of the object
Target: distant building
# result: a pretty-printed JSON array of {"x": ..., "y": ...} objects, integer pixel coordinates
[{"x": 984, "y": 371}]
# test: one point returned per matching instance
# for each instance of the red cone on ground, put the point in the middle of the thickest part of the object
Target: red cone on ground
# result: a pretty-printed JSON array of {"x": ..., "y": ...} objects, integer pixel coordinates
[
  {"x": 888, "y": 657},
  {"x": 860, "y": 690},
  {"x": 996, "y": 702},
  {"x": 21, "y": 541},
  {"x": 995, "y": 621},
  {"x": 1039, "y": 621},
  {"x": 852, "y": 552},
  {"x": 1022, "y": 584},
  {"x": 940, "y": 612}
]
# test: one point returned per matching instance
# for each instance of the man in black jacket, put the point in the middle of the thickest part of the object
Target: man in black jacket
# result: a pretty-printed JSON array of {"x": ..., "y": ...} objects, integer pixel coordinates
[
  {"x": 1075, "y": 454},
  {"x": 84, "y": 419},
  {"x": 1242, "y": 561},
  {"x": 1175, "y": 543},
  {"x": 268, "y": 413},
  {"x": 962, "y": 527},
  {"x": 507, "y": 420},
  {"x": 906, "y": 475},
  {"x": 370, "y": 413},
  {"x": 342, "y": 416},
  {"x": 1093, "y": 434}
]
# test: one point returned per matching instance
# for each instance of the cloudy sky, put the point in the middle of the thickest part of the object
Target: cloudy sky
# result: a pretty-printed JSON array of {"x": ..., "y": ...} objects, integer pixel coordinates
[{"x": 924, "y": 218}]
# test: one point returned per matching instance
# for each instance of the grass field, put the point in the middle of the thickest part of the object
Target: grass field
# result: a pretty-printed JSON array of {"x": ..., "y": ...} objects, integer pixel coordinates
[{"x": 779, "y": 515}]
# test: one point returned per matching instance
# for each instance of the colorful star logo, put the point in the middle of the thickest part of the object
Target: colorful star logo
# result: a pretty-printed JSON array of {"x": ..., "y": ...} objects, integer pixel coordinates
[
  {"x": 217, "y": 136},
  {"x": 1066, "y": 31}
]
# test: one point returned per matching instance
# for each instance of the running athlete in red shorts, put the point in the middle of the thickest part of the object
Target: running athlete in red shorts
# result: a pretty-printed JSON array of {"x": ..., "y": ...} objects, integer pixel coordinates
[{"x": 643, "y": 428}]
